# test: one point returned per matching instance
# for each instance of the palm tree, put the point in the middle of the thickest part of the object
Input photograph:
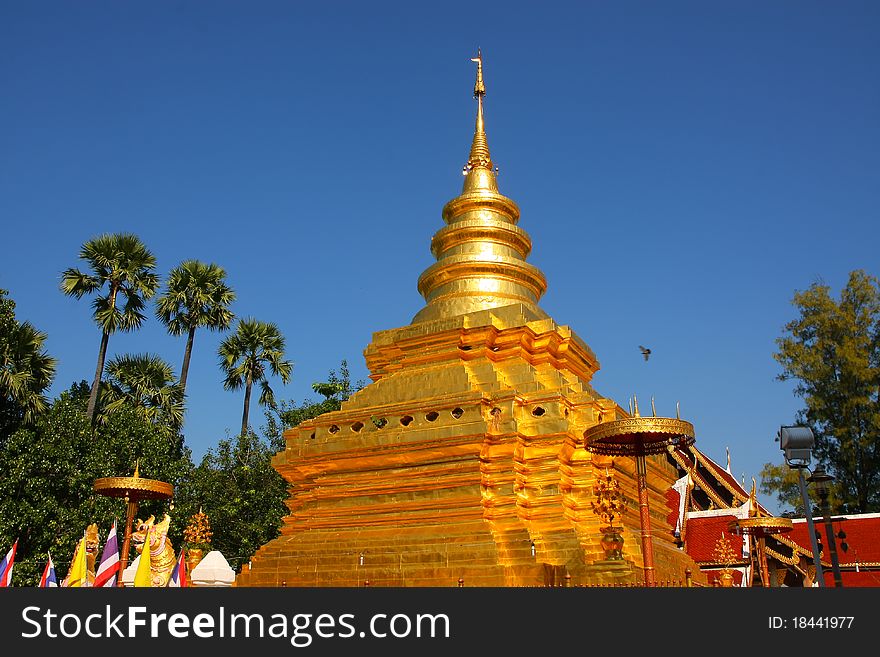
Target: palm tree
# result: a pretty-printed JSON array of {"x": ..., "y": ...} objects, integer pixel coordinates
[
  {"x": 26, "y": 369},
  {"x": 121, "y": 264},
  {"x": 244, "y": 357},
  {"x": 146, "y": 383},
  {"x": 197, "y": 295}
]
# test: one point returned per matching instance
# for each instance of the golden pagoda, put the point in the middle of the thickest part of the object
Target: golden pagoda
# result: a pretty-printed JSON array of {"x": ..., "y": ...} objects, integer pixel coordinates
[{"x": 463, "y": 462}]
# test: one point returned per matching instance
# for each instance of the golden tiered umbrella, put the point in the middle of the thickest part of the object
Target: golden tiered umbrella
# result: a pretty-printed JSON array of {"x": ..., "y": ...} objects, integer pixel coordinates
[
  {"x": 759, "y": 528},
  {"x": 133, "y": 490},
  {"x": 639, "y": 437}
]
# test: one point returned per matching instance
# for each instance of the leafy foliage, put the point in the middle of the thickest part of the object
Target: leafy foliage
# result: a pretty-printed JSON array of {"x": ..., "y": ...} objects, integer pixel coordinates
[
  {"x": 832, "y": 351},
  {"x": 46, "y": 491},
  {"x": 26, "y": 370},
  {"x": 196, "y": 296},
  {"x": 240, "y": 492},
  {"x": 782, "y": 481},
  {"x": 255, "y": 350},
  {"x": 145, "y": 383},
  {"x": 121, "y": 265}
]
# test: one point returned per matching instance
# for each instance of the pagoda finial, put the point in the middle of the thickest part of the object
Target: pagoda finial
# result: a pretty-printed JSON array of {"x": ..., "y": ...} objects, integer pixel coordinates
[
  {"x": 479, "y": 87},
  {"x": 479, "y": 157}
]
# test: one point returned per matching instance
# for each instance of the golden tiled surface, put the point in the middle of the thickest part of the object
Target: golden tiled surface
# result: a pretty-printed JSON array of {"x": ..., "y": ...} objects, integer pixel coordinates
[{"x": 479, "y": 456}]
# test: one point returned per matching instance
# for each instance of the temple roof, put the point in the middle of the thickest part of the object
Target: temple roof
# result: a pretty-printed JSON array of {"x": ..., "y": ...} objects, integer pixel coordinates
[{"x": 707, "y": 498}]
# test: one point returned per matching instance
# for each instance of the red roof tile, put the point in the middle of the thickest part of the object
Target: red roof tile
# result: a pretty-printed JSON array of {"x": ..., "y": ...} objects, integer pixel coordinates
[
  {"x": 852, "y": 579},
  {"x": 862, "y": 537},
  {"x": 702, "y": 537}
]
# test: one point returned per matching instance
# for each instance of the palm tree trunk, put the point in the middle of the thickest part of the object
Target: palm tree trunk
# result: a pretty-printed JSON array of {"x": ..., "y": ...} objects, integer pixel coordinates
[
  {"x": 247, "y": 406},
  {"x": 93, "y": 395},
  {"x": 186, "y": 356}
]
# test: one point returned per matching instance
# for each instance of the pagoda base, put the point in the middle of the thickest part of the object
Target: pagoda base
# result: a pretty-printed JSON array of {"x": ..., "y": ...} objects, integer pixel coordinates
[
  {"x": 611, "y": 572},
  {"x": 461, "y": 464}
]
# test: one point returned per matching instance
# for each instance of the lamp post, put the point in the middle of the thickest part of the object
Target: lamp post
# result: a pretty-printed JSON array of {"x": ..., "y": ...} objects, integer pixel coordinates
[
  {"x": 821, "y": 481},
  {"x": 797, "y": 445}
]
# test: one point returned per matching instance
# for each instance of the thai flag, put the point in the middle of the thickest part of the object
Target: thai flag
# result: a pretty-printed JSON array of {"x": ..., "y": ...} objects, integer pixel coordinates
[
  {"x": 48, "y": 580},
  {"x": 178, "y": 575},
  {"x": 6, "y": 566},
  {"x": 108, "y": 569}
]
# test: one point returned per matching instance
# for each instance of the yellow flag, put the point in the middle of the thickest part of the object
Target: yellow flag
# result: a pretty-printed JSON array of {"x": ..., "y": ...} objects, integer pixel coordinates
[
  {"x": 77, "y": 574},
  {"x": 142, "y": 574}
]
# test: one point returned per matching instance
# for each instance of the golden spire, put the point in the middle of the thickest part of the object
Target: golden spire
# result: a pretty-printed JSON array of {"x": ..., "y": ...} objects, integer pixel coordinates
[
  {"x": 479, "y": 156},
  {"x": 481, "y": 251}
]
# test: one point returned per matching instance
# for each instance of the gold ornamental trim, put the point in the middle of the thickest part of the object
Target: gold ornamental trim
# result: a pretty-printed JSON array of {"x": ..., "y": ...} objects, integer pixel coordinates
[
  {"x": 638, "y": 435},
  {"x": 789, "y": 561},
  {"x": 713, "y": 467},
  {"x": 480, "y": 231},
  {"x": 468, "y": 267},
  {"x": 481, "y": 200},
  {"x": 761, "y": 526},
  {"x": 698, "y": 480},
  {"x": 135, "y": 488},
  {"x": 799, "y": 549}
]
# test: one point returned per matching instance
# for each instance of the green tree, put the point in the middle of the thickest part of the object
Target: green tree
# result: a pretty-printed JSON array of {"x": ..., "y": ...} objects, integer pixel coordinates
[
  {"x": 241, "y": 493},
  {"x": 782, "y": 481},
  {"x": 248, "y": 355},
  {"x": 48, "y": 473},
  {"x": 832, "y": 351},
  {"x": 122, "y": 267},
  {"x": 26, "y": 370},
  {"x": 196, "y": 296},
  {"x": 145, "y": 383}
]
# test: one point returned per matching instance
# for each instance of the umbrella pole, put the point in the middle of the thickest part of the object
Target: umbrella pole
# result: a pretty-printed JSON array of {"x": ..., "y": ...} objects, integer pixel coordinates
[
  {"x": 130, "y": 514},
  {"x": 645, "y": 517}
]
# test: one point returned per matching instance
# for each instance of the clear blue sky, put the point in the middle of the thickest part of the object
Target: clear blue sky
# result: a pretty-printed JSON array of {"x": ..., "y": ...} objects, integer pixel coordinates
[{"x": 682, "y": 168}]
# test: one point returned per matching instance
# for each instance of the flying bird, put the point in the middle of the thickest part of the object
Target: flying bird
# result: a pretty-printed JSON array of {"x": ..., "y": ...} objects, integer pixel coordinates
[{"x": 645, "y": 352}]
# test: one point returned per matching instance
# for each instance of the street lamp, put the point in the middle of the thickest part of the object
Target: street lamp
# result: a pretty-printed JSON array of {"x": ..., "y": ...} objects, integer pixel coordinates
[
  {"x": 821, "y": 481},
  {"x": 797, "y": 445}
]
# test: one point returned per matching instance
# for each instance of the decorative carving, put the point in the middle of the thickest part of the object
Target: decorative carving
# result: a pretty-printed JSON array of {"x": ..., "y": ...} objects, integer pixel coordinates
[
  {"x": 198, "y": 538},
  {"x": 609, "y": 504},
  {"x": 654, "y": 435},
  {"x": 724, "y": 554},
  {"x": 92, "y": 543},
  {"x": 162, "y": 558}
]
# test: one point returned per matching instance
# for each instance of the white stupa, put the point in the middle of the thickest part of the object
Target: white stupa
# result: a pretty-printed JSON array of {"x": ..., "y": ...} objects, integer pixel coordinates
[{"x": 212, "y": 570}]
